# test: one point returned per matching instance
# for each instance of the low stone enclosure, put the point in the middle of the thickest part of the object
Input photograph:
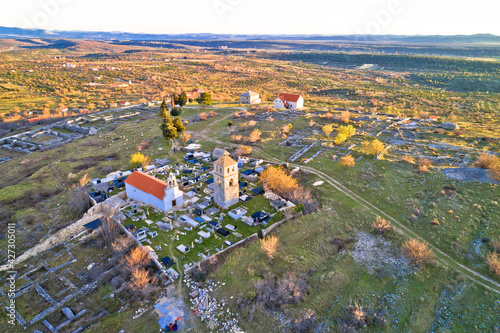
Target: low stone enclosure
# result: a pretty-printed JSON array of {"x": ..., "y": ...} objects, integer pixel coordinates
[
  {"x": 414, "y": 137},
  {"x": 242, "y": 243},
  {"x": 65, "y": 131},
  {"x": 52, "y": 286}
]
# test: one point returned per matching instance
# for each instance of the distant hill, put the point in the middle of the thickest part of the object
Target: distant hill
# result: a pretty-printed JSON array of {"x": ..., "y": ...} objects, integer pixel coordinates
[{"x": 12, "y": 33}]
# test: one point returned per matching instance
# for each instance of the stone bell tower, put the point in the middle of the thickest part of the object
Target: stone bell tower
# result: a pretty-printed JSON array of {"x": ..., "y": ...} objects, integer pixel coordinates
[{"x": 226, "y": 181}]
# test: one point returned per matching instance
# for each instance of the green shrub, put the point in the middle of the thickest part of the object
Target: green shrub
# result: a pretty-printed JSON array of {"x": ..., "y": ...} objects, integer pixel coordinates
[{"x": 299, "y": 208}]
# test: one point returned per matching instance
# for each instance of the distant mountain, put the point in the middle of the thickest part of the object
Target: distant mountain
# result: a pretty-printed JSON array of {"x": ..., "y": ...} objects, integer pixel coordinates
[{"x": 7, "y": 32}]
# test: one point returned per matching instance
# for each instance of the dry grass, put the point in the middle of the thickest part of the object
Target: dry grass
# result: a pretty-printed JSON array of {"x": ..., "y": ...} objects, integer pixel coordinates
[
  {"x": 417, "y": 252},
  {"x": 408, "y": 159},
  {"x": 381, "y": 226},
  {"x": 487, "y": 161},
  {"x": 424, "y": 162},
  {"x": 84, "y": 180},
  {"x": 423, "y": 169},
  {"x": 493, "y": 261},
  {"x": 345, "y": 117},
  {"x": 496, "y": 245}
]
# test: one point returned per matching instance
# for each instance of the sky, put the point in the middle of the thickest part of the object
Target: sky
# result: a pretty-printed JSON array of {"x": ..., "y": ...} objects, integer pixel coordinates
[{"x": 324, "y": 17}]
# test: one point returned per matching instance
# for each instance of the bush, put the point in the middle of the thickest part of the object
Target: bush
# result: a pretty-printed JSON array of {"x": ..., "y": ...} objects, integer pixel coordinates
[
  {"x": 356, "y": 317},
  {"x": 345, "y": 117},
  {"x": 277, "y": 217},
  {"x": 423, "y": 165},
  {"x": 306, "y": 323},
  {"x": 423, "y": 168},
  {"x": 487, "y": 161},
  {"x": 407, "y": 158},
  {"x": 347, "y": 162},
  {"x": 78, "y": 202},
  {"x": 493, "y": 261},
  {"x": 273, "y": 293},
  {"x": 496, "y": 245},
  {"x": 136, "y": 160},
  {"x": 270, "y": 245},
  {"x": 417, "y": 252},
  {"x": 298, "y": 208},
  {"x": 381, "y": 226},
  {"x": 374, "y": 147}
]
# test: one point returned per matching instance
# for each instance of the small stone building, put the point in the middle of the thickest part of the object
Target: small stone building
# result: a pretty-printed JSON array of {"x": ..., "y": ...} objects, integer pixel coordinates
[
  {"x": 226, "y": 181},
  {"x": 249, "y": 97}
]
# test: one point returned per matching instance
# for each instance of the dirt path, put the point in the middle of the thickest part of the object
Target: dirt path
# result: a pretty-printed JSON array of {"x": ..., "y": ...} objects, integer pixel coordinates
[{"x": 441, "y": 257}]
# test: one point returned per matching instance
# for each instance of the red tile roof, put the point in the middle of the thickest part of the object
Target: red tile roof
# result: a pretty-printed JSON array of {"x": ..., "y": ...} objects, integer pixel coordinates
[
  {"x": 147, "y": 183},
  {"x": 289, "y": 97}
]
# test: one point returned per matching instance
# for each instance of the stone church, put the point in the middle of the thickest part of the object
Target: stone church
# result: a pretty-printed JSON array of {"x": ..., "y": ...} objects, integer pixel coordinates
[
  {"x": 226, "y": 181},
  {"x": 156, "y": 192}
]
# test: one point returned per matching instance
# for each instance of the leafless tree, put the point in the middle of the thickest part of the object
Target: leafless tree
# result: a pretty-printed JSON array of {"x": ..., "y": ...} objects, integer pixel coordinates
[{"x": 109, "y": 228}]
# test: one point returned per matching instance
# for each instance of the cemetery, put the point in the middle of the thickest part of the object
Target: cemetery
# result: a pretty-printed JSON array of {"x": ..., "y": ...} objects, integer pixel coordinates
[{"x": 198, "y": 227}]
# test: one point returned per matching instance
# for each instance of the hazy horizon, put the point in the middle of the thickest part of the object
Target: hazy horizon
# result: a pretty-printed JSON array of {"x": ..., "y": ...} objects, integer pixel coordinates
[{"x": 258, "y": 17}]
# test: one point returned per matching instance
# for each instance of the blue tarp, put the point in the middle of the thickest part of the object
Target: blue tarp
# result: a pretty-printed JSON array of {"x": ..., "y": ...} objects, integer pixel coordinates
[
  {"x": 209, "y": 181},
  {"x": 242, "y": 185},
  {"x": 193, "y": 161},
  {"x": 94, "y": 224},
  {"x": 199, "y": 219},
  {"x": 248, "y": 172},
  {"x": 167, "y": 261},
  {"x": 258, "y": 190}
]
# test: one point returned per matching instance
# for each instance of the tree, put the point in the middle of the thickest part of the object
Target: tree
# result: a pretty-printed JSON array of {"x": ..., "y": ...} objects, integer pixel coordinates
[
  {"x": 139, "y": 279},
  {"x": 174, "y": 99},
  {"x": 374, "y": 147},
  {"x": 136, "y": 160},
  {"x": 205, "y": 99},
  {"x": 327, "y": 129},
  {"x": 278, "y": 181},
  {"x": 270, "y": 245},
  {"x": 177, "y": 122},
  {"x": 185, "y": 137},
  {"x": 164, "y": 110},
  {"x": 168, "y": 130},
  {"x": 347, "y": 162},
  {"x": 344, "y": 133},
  {"x": 176, "y": 112},
  {"x": 182, "y": 99},
  {"x": 138, "y": 257},
  {"x": 109, "y": 230}
]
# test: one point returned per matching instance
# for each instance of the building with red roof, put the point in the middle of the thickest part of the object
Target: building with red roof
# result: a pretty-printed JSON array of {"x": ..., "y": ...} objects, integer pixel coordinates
[
  {"x": 153, "y": 191},
  {"x": 289, "y": 101}
]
